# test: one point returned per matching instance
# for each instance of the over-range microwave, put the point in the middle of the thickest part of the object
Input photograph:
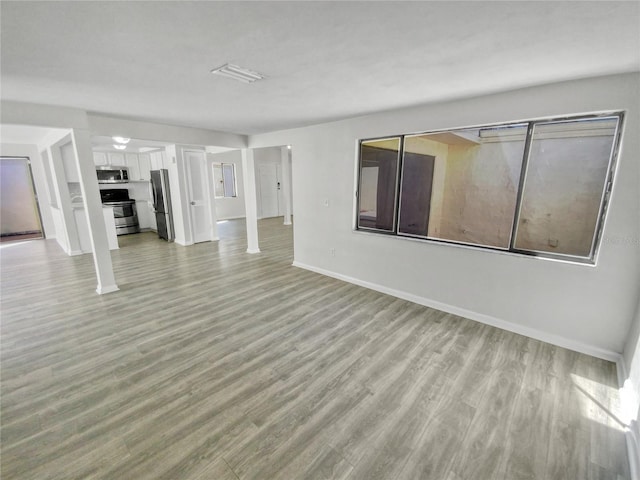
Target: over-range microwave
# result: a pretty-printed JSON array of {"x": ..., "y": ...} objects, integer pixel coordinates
[{"x": 112, "y": 174}]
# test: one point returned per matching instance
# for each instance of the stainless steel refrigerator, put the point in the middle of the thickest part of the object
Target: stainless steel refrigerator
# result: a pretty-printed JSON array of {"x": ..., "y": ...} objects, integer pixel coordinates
[{"x": 162, "y": 203}]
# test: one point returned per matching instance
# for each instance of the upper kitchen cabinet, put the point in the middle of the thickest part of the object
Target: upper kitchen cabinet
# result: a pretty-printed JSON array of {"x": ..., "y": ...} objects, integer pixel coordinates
[
  {"x": 132, "y": 165},
  {"x": 138, "y": 164},
  {"x": 100, "y": 159},
  {"x": 116, "y": 159},
  {"x": 144, "y": 166},
  {"x": 157, "y": 160}
]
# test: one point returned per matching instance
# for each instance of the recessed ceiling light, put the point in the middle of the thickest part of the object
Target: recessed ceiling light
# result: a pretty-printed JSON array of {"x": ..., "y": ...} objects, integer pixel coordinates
[
  {"x": 119, "y": 146},
  {"x": 123, "y": 140},
  {"x": 237, "y": 73}
]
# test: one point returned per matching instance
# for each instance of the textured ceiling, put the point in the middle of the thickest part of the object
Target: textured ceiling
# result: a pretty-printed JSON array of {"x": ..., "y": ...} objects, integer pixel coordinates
[{"x": 323, "y": 60}]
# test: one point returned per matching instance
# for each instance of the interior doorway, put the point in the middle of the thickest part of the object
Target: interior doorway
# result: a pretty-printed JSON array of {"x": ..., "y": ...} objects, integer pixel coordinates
[{"x": 19, "y": 212}]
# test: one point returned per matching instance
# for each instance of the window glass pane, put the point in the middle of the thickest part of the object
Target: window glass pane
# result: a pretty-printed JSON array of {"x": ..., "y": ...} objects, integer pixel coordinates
[
  {"x": 378, "y": 182},
  {"x": 474, "y": 188},
  {"x": 229, "y": 179},
  {"x": 415, "y": 191},
  {"x": 566, "y": 175},
  {"x": 218, "y": 181}
]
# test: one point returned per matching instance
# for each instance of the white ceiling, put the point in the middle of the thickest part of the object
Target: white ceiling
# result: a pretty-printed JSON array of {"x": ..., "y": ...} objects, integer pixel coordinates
[{"x": 323, "y": 60}]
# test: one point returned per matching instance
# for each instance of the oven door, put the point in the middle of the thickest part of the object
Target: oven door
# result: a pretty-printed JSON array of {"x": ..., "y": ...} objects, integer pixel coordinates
[{"x": 125, "y": 216}]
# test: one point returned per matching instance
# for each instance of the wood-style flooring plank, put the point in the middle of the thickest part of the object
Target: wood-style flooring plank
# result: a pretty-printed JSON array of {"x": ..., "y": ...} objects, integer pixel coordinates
[{"x": 211, "y": 363}]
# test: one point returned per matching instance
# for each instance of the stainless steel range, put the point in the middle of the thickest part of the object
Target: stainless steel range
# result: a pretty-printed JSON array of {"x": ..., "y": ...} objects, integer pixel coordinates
[{"x": 124, "y": 209}]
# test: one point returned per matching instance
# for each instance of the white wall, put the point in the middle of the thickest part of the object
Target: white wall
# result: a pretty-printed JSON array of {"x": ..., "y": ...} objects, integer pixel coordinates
[
  {"x": 39, "y": 179},
  {"x": 582, "y": 307},
  {"x": 229, "y": 207}
]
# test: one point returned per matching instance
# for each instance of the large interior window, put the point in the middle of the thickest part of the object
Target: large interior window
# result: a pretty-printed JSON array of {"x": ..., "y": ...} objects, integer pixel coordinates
[{"x": 537, "y": 188}]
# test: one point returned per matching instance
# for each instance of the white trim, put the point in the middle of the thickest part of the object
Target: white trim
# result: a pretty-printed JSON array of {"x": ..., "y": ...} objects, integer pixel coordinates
[
  {"x": 184, "y": 244},
  {"x": 230, "y": 218},
  {"x": 109, "y": 289},
  {"x": 478, "y": 317},
  {"x": 249, "y": 250},
  {"x": 73, "y": 253},
  {"x": 632, "y": 435}
]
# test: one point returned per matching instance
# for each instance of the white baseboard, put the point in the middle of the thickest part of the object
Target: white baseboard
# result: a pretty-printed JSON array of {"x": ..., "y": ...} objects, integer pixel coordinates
[
  {"x": 478, "y": 317},
  {"x": 73, "y": 253},
  {"x": 257, "y": 250},
  {"x": 230, "y": 218},
  {"x": 108, "y": 289}
]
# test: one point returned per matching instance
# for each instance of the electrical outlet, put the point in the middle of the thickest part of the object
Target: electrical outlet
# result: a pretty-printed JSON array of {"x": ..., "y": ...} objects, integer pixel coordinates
[
  {"x": 332, "y": 252},
  {"x": 325, "y": 202},
  {"x": 553, "y": 242}
]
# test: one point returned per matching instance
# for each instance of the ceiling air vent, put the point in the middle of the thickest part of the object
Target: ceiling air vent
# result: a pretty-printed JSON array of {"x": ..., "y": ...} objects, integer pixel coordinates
[{"x": 237, "y": 73}]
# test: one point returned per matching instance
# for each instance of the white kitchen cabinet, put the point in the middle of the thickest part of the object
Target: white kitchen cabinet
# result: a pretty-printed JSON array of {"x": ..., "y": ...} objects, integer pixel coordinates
[
  {"x": 144, "y": 166},
  {"x": 100, "y": 159},
  {"x": 144, "y": 214},
  {"x": 132, "y": 165},
  {"x": 116, "y": 159},
  {"x": 83, "y": 228},
  {"x": 157, "y": 160}
]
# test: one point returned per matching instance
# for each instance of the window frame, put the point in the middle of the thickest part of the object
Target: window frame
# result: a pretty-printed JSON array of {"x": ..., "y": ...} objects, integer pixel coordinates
[
  {"x": 396, "y": 200},
  {"x": 607, "y": 187},
  {"x": 224, "y": 186}
]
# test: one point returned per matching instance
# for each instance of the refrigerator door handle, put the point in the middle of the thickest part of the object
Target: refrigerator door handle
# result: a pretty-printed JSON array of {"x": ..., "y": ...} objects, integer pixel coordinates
[{"x": 154, "y": 194}]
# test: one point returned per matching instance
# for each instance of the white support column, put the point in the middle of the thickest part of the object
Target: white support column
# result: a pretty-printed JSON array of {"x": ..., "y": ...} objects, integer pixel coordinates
[
  {"x": 93, "y": 211},
  {"x": 213, "y": 214},
  {"x": 68, "y": 237},
  {"x": 286, "y": 184},
  {"x": 250, "y": 200}
]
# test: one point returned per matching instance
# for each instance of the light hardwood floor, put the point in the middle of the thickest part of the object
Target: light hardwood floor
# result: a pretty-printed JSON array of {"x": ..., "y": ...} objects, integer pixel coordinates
[{"x": 214, "y": 364}]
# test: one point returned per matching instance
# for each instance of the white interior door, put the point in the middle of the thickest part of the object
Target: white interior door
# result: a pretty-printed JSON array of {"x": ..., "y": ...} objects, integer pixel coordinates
[
  {"x": 197, "y": 196},
  {"x": 268, "y": 182}
]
